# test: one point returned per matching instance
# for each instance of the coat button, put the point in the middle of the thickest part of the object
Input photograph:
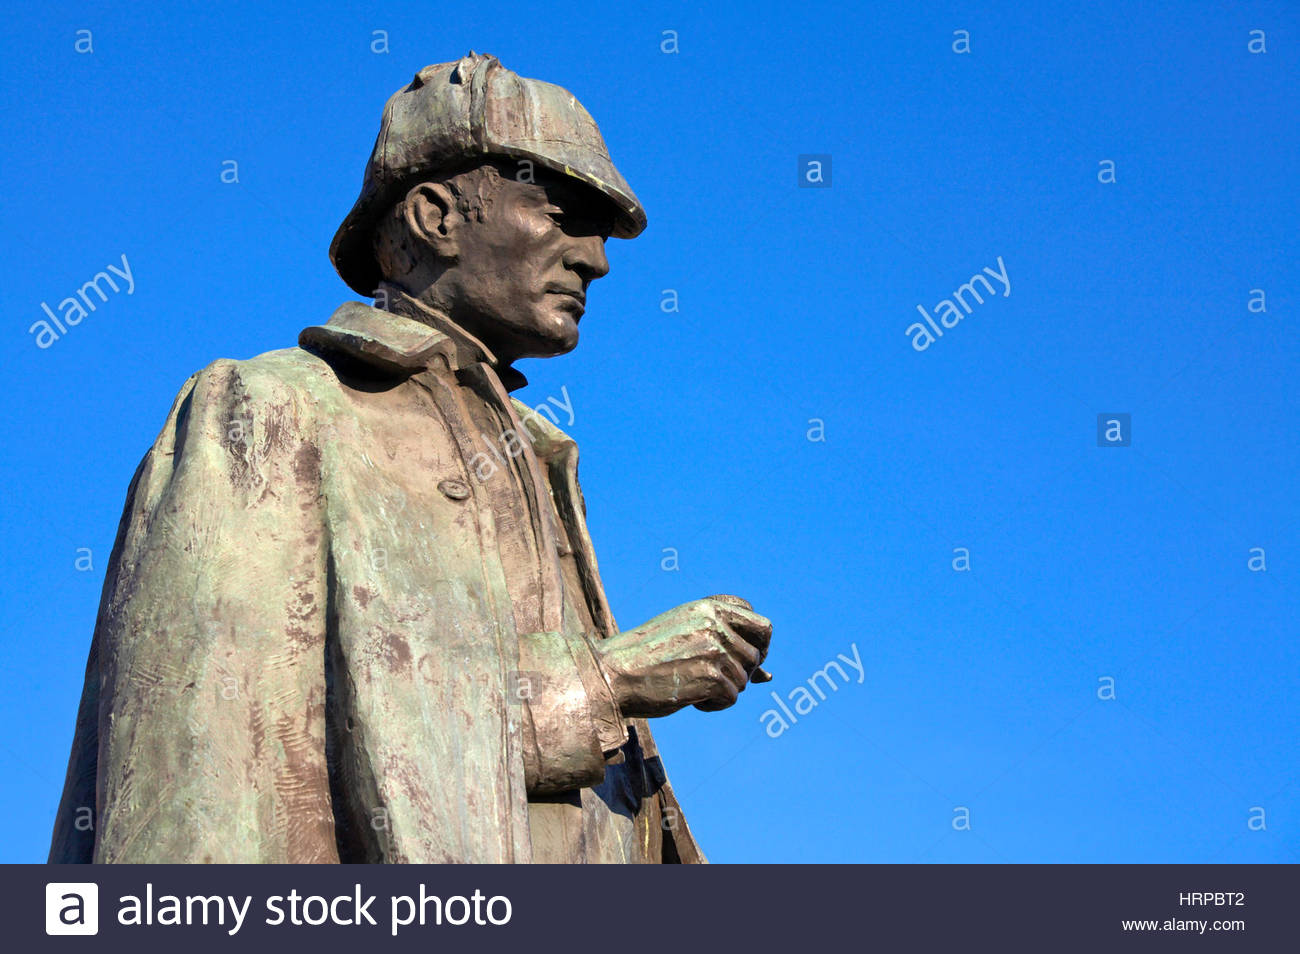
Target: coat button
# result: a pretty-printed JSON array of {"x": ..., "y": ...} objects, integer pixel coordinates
[{"x": 455, "y": 489}]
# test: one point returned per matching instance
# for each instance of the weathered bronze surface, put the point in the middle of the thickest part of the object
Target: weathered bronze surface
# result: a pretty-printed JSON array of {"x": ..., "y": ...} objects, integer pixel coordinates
[{"x": 353, "y": 612}]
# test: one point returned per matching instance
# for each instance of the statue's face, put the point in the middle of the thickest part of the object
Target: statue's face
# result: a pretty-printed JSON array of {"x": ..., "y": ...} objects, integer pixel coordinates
[{"x": 521, "y": 273}]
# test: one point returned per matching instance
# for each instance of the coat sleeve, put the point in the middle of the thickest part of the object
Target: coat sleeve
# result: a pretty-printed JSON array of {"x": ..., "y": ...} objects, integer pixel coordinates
[
  {"x": 571, "y": 720},
  {"x": 201, "y": 731}
]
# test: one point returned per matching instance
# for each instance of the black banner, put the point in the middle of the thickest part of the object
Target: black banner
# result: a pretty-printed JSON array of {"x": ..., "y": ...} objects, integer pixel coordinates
[{"x": 407, "y": 908}]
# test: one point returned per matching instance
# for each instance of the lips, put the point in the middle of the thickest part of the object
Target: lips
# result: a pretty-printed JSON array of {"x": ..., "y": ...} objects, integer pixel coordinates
[{"x": 578, "y": 296}]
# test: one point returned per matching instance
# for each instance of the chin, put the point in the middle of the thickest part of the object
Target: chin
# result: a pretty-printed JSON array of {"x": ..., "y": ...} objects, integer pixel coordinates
[
  {"x": 570, "y": 341},
  {"x": 558, "y": 346},
  {"x": 558, "y": 336}
]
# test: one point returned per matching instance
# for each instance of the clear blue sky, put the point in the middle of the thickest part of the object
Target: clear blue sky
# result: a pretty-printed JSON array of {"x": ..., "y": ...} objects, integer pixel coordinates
[{"x": 980, "y": 687}]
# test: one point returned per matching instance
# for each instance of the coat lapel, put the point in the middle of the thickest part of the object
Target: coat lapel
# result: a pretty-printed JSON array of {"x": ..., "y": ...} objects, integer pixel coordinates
[{"x": 558, "y": 453}]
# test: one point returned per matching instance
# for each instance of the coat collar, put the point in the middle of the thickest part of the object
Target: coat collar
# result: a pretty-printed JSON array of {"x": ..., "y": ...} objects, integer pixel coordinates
[{"x": 395, "y": 345}]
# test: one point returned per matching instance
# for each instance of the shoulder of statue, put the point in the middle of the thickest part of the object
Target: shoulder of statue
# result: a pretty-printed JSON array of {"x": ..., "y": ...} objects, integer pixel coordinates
[{"x": 379, "y": 340}]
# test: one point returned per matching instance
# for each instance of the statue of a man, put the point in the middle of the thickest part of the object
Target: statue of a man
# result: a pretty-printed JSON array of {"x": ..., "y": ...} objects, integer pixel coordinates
[{"x": 353, "y": 613}]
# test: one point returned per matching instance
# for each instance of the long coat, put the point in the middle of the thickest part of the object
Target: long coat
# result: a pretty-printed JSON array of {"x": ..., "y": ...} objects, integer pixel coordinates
[{"x": 304, "y": 650}]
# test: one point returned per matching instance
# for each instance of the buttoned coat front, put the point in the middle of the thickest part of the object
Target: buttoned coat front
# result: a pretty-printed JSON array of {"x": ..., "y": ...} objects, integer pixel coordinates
[{"x": 305, "y": 651}]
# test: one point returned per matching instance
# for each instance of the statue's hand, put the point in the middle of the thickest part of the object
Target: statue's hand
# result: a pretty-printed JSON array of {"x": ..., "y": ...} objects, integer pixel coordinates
[{"x": 699, "y": 654}]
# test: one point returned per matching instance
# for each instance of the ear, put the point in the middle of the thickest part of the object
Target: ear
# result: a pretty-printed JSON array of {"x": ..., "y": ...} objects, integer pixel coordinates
[{"x": 431, "y": 218}]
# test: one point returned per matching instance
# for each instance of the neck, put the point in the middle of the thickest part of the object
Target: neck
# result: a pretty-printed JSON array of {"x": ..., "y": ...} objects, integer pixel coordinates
[{"x": 472, "y": 349}]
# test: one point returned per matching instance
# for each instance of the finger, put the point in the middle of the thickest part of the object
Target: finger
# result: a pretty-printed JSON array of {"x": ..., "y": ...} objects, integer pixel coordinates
[
  {"x": 749, "y": 655},
  {"x": 741, "y": 610},
  {"x": 733, "y": 600},
  {"x": 740, "y": 648},
  {"x": 725, "y": 700},
  {"x": 730, "y": 681},
  {"x": 735, "y": 673},
  {"x": 755, "y": 629}
]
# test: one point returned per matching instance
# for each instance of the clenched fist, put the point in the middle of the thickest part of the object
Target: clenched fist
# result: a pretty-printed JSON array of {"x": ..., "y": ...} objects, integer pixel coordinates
[{"x": 699, "y": 654}]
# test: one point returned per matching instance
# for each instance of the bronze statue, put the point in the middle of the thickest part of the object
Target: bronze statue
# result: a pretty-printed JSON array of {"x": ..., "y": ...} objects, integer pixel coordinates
[{"x": 339, "y": 627}]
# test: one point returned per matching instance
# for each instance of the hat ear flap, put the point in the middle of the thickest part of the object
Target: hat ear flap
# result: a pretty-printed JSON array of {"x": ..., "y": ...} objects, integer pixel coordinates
[{"x": 463, "y": 71}]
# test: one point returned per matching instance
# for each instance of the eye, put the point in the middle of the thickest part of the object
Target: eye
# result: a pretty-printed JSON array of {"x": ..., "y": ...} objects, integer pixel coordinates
[{"x": 558, "y": 217}]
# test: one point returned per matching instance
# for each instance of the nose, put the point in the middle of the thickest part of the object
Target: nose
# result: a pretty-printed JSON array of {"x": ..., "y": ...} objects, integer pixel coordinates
[{"x": 586, "y": 256}]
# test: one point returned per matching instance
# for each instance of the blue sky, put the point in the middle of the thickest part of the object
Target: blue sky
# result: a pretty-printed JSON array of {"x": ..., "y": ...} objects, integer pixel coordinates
[{"x": 980, "y": 688}]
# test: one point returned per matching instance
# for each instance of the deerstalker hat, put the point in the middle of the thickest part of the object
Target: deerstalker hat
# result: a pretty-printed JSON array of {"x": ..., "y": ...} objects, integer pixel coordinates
[{"x": 452, "y": 113}]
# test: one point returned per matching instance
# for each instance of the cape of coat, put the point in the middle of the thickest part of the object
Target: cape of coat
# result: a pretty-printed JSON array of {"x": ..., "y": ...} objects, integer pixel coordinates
[{"x": 306, "y": 650}]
